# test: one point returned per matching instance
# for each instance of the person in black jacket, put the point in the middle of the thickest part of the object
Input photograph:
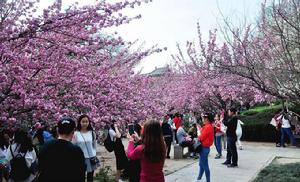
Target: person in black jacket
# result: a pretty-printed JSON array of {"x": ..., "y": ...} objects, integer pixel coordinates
[
  {"x": 231, "y": 123},
  {"x": 134, "y": 166},
  {"x": 168, "y": 134},
  {"x": 60, "y": 160}
]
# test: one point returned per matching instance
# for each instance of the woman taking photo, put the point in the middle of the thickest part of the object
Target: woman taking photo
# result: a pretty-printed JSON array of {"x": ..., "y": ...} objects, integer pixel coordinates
[
  {"x": 151, "y": 152},
  {"x": 218, "y": 136},
  {"x": 85, "y": 138},
  {"x": 134, "y": 166},
  {"x": 206, "y": 138}
]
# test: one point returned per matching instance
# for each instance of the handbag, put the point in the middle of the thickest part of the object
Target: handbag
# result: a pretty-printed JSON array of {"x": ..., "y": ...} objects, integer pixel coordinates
[
  {"x": 3, "y": 164},
  {"x": 197, "y": 145},
  {"x": 93, "y": 160}
]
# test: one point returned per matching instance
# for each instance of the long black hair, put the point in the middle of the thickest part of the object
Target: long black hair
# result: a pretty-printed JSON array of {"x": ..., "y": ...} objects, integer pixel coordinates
[
  {"x": 3, "y": 142},
  {"x": 89, "y": 128},
  {"x": 112, "y": 125},
  {"x": 154, "y": 144},
  {"x": 23, "y": 140},
  {"x": 209, "y": 116}
]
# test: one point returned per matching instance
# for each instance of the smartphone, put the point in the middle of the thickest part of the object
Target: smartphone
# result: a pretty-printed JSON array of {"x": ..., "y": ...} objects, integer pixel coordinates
[{"x": 131, "y": 129}]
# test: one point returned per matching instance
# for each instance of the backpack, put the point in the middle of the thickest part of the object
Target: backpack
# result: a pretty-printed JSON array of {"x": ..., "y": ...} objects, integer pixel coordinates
[
  {"x": 19, "y": 169},
  {"x": 47, "y": 136},
  {"x": 108, "y": 143}
]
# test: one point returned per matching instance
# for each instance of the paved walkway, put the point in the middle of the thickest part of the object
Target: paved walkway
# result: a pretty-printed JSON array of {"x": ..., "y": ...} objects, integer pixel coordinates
[{"x": 252, "y": 159}]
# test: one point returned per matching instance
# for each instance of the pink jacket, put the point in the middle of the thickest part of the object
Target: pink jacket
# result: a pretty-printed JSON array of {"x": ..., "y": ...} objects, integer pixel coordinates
[{"x": 150, "y": 171}]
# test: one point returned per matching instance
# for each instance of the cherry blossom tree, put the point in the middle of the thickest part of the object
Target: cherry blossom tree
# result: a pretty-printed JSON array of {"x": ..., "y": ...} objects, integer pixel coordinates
[
  {"x": 61, "y": 63},
  {"x": 266, "y": 54},
  {"x": 257, "y": 63},
  {"x": 201, "y": 86}
]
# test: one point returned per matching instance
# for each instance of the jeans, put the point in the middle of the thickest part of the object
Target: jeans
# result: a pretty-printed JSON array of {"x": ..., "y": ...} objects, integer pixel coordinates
[
  {"x": 232, "y": 156},
  {"x": 287, "y": 131},
  {"x": 203, "y": 163},
  {"x": 218, "y": 144},
  {"x": 188, "y": 144},
  {"x": 278, "y": 136}
]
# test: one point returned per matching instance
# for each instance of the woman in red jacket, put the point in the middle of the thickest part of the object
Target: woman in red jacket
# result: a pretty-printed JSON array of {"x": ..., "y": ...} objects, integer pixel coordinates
[
  {"x": 151, "y": 153},
  {"x": 206, "y": 138}
]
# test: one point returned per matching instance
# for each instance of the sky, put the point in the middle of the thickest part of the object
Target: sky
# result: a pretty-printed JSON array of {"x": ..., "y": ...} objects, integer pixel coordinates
[{"x": 167, "y": 22}]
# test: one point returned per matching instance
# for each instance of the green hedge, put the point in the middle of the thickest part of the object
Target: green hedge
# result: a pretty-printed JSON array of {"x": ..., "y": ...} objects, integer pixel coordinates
[
  {"x": 259, "y": 133},
  {"x": 257, "y": 128},
  {"x": 259, "y": 118}
]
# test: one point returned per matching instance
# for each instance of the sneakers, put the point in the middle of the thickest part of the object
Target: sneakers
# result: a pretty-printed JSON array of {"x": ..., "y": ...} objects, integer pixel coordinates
[
  {"x": 232, "y": 165},
  {"x": 218, "y": 156},
  {"x": 241, "y": 147},
  {"x": 226, "y": 163},
  {"x": 193, "y": 155},
  {"x": 168, "y": 157}
]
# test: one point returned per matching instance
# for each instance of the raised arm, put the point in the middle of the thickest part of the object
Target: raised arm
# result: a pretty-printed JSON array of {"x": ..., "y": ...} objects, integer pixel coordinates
[{"x": 134, "y": 153}]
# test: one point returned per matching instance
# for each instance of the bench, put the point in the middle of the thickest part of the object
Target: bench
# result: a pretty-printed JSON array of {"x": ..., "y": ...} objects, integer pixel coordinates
[{"x": 178, "y": 151}]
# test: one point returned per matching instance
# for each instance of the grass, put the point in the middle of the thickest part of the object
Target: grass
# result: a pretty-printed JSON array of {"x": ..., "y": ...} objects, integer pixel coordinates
[{"x": 279, "y": 173}]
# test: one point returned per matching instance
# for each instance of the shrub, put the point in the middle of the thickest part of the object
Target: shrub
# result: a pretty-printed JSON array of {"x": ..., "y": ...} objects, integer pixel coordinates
[
  {"x": 279, "y": 173},
  {"x": 258, "y": 132},
  {"x": 104, "y": 175}
]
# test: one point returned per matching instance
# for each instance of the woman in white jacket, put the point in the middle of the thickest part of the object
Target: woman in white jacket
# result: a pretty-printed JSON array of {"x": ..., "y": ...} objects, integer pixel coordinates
[{"x": 85, "y": 138}]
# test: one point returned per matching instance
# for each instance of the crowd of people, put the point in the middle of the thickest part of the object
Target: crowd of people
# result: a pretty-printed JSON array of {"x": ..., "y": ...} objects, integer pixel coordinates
[
  {"x": 68, "y": 151},
  {"x": 150, "y": 144}
]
